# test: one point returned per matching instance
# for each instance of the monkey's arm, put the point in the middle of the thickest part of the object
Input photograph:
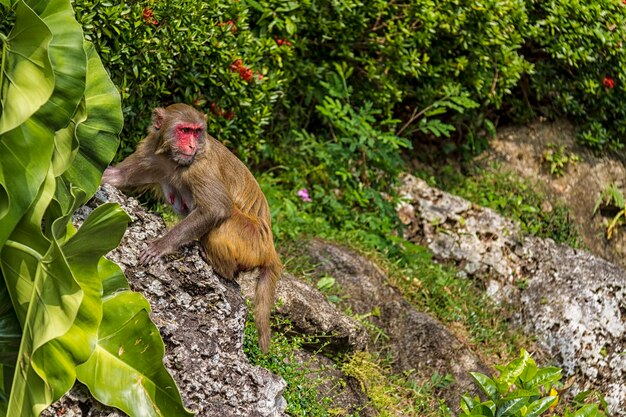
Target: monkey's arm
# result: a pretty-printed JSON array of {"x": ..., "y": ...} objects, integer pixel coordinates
[
  {"x": 201, "y": 220},
  {"x": 131, "y": 172}
]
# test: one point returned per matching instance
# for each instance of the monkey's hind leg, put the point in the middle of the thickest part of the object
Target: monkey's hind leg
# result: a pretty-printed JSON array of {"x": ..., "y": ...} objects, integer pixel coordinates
[{"x": 236, "y": 246}]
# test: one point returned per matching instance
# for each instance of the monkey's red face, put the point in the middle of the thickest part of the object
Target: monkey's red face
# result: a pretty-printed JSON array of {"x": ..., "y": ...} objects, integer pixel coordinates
[{"x": 190, "y": 139}]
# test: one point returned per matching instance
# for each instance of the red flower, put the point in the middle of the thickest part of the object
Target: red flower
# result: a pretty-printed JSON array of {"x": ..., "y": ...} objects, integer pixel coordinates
[
  {"x": 230, "y": 23},
  {"x": 235, "y": 66},
  {"x": 284, "y": 41},
  {"x": 148, "y": 16},
  {"x": 216, "y": 110},
  {"x": 246, "y": 74},
  {"x": 608, "y": 82}
]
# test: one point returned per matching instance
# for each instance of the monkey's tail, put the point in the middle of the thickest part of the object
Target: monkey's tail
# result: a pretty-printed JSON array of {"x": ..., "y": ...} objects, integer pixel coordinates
[{"x": 264, "y": 300}]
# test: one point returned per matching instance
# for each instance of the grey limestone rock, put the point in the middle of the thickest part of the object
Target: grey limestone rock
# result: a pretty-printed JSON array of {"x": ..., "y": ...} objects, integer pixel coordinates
[
  {"x": 572, "y": 300},
  {"x": 201, "y": 318}
]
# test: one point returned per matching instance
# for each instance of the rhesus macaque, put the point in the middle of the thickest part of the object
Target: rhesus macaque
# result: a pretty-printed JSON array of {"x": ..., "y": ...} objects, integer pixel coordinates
[{"x": 224, "y": 207}]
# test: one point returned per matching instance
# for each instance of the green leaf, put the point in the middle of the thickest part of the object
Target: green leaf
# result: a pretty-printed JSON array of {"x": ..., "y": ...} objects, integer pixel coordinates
[
  {"x": 484, "y": 409},
  {"x": 255, "y": 5},
  {"x": 26, "y": 79},
  {"x": 435, "y": 111},
  {"x": 69, "y": 65},
  {"x": 325, "y": 283},
  {"x": 509, "y": 407},
  {"x": 98, "y": 123},
  {"x": 545, "y": 375},
  {"x": 538, "y": 407},
  {"x": 464, "y": 101},
  {"x": 528, "y": 374},
  {"x": 25, "y": 154},
  {"x": 68, "y": 60},
  {"x": 486, "y": 384},
  {"x": 468, "y": 403},
  {"x": 126, "y": 369},
  {"x": 290, "y": 26},
  {"x": 514, "y": 370},
  {"x": 65, "y": 307},
  {"x": 25, "y": 146},
  {"x": 46, "y": 299},
  {"x": 67, "y": 56},
  {"x": 588, "y": 410}
]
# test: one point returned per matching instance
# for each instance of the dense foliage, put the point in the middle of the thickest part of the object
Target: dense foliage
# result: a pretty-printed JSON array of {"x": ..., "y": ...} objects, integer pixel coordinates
[
  {"x": 327, "y": 96},
  {"x": 580, "y": 66}
]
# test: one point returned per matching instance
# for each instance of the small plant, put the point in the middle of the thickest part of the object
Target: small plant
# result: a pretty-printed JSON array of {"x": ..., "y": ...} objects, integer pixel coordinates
[
  {"x": 328, "y": 286},
  {"x": 303, "y": 384},
  {"x": 523, "y": 390},
  {"x": 612, "y": 201},
  {"x": 558, "y": 159}
]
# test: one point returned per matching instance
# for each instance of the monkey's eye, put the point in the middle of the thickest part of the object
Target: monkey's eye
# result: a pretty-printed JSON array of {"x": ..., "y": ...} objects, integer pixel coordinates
[{"x": 185, "y": 130}]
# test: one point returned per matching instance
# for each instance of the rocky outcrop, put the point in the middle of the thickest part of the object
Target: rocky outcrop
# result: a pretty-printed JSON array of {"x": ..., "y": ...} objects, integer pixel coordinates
[
  {"x": 520, "y": 149},
  {"x": 415, "y": 341},
  {"x": 201, "y": 318},
  {"x": 310, "y": 313},
  {"x": 573, "y": 301}
]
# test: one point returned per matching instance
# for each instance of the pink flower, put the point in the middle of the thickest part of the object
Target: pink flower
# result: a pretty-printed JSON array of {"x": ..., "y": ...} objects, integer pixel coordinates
[{"x": 304, "y": 195}]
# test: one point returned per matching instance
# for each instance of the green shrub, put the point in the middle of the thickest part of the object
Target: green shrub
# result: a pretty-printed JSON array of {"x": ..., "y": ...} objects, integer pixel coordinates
[
  {"x": 559, "y": 160},
  {"x": 404, "y": 55},
  {"x": 347, "y": 170},
  {"x": 328, "y": 96},
  {"x": 579, "y": 59},
  {"x": 254, "y": 64},
  {"x": 198, "y": 52}
]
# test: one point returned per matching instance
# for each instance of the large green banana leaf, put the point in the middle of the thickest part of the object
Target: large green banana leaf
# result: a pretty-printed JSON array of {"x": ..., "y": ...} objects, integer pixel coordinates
[
  {"x": 126, "y": 368},
  {"x": 60, "y": 118},
  {"x": 27, "y": 59},
  {"x": 25, "y": 145}
]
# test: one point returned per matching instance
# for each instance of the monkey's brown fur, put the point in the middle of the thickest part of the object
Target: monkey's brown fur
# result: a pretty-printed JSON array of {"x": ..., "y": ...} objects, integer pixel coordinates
[{"x": 224, "y": 205}]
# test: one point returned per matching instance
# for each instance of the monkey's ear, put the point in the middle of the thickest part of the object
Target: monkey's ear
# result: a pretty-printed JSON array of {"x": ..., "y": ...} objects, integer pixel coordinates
[{"x": 158, "y": 115}]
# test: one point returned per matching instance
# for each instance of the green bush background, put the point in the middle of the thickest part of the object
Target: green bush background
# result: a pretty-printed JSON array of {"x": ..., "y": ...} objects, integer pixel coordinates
[{"x": 338, "y": 92}]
